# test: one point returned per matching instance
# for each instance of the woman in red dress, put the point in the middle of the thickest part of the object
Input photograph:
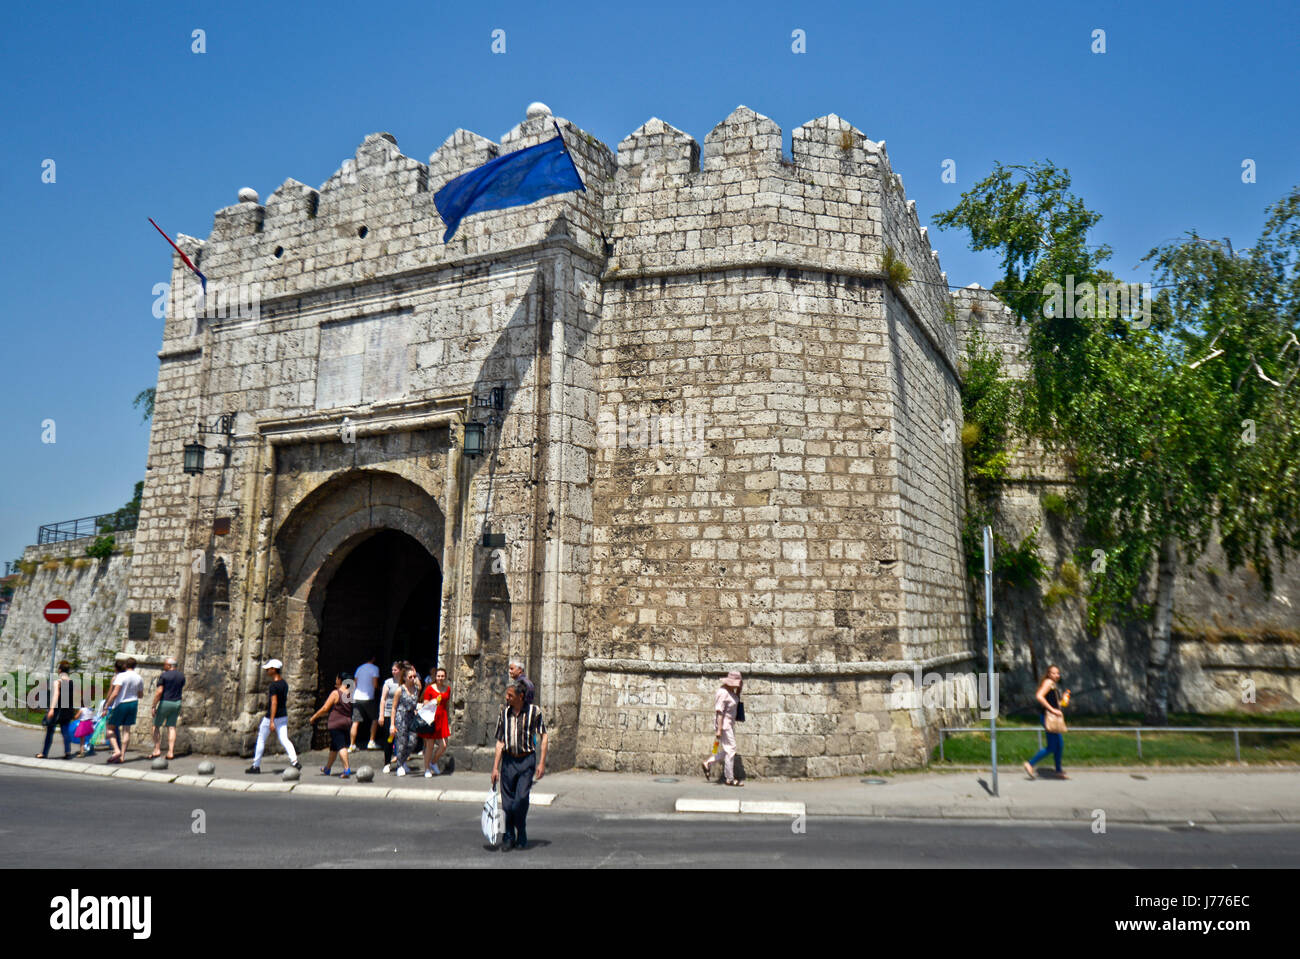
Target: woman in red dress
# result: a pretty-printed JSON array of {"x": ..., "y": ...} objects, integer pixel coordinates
[{"x": 440, "y": 692}]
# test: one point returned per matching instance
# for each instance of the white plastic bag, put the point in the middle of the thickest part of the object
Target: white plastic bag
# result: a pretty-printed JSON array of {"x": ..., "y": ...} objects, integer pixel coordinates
[{"x": 493, "y": 817}]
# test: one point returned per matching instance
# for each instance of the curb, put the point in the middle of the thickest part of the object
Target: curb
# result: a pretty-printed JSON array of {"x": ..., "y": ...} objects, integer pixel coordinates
[
  {"x": 1001, "y": 813},
  {"x": 17, "y": 725},
  {"x": 356, "y": 791}
]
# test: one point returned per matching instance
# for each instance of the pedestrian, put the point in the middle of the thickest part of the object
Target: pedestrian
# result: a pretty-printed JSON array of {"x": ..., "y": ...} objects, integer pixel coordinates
[
  {"x": 364, "y": 716},
  {"x": 1052, "y": 720},
  {"x": 277, "y": 718},
  {"x": 518, "y": 763},
  {"x": 436, "y": 692},
  {"x": 341, "y": 713},
  {"x": 84, "y": 731},
  {"x": 725, "y": 708},
  {"x": 61, "y": 714},
  {"x": 516, "y": 670},
  {"x": 123, "y": 700},
  {"x": 408, "y": 697},
  {"x": 387, "y": 697},
  {"x": 167, "y": 707}
]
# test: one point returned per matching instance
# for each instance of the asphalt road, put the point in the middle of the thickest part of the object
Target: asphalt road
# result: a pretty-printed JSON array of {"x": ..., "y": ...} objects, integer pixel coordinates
[{"x": 95, "y": 823}]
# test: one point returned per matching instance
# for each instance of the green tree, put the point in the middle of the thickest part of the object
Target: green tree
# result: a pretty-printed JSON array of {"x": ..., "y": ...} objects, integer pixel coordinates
[
  {"x": 128, "y": 516},
  {"x": 145, "y": 398},
  {"x": 1172, "y": 443}
]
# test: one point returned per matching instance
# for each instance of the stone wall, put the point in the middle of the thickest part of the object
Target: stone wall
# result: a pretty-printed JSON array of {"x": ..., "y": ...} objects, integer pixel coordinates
[
  {"x": 94, "y": 588},
  {"x": 806, "y": 527},
  {"x": 365, "y": 319}
]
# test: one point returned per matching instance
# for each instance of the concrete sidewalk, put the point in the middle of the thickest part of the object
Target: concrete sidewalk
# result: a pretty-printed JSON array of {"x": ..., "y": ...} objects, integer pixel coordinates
[{"x": 1203, "y": 795}]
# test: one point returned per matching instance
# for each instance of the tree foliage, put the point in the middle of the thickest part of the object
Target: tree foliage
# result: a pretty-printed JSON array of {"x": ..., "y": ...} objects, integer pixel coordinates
[{"x": 1178, "y": 430}]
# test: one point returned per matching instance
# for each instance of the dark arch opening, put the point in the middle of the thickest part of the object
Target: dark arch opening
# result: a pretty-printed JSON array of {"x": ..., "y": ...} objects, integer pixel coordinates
[{"x": 385, "y": 598}]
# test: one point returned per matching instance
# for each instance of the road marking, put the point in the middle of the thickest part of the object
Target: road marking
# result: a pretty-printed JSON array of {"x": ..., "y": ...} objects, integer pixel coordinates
[{"x": 708, "y": 805}]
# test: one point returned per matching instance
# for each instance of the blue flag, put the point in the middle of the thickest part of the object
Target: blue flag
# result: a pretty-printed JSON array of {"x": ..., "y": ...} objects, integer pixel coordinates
[{"x": 512, "y": 180}]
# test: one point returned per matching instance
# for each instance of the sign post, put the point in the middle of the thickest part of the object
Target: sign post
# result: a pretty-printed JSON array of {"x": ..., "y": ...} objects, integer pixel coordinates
[
  {"x": 990, "y": 679},
  {"x": 55, "y": 612}
]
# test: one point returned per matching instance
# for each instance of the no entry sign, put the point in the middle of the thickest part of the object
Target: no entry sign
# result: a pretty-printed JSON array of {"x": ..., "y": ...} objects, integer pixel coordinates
[{"x": 57, "y": 611}]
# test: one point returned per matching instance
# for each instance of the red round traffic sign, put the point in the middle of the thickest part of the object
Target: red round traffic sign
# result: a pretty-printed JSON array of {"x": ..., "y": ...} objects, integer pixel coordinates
[{"x": 57, "y": 611}]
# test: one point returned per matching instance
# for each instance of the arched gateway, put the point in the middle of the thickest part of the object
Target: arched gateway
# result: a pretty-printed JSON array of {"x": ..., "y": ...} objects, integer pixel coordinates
[{"x": 357, "y": 572}]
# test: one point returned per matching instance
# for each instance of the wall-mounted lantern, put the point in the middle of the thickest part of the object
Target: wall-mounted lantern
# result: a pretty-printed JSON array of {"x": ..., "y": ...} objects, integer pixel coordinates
[
  {"x": 195, "y": 450},
  {"x": 473, "y": 439},
  {"x": 494, "y": 400}
]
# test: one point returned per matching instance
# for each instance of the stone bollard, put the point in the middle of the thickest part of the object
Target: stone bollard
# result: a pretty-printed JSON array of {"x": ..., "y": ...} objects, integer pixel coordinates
[
  {"x": 207, "y": 767},
  {"x": 160, "y": 763},
  {"x": 366, "y": 774},
  {"x": 291, "y": 774}
]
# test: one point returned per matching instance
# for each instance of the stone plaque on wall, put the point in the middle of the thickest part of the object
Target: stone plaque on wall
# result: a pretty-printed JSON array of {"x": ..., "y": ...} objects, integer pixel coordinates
[
  {"x": 363, "y": 361},
  {"x": 138, "y": 626}
]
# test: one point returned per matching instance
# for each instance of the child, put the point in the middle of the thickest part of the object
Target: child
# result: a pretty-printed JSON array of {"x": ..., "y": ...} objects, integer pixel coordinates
[{"x": 83, "y": 731}]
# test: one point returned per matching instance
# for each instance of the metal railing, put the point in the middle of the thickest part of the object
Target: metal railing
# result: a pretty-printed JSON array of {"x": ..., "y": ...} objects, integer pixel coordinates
[
  {"x": 1136, "y": 730},
  {"x": 82, "y": 528}
]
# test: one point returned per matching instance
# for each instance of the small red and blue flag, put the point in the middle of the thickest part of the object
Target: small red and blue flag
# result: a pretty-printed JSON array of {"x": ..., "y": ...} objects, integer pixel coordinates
[{"x": 203, "y": 280}]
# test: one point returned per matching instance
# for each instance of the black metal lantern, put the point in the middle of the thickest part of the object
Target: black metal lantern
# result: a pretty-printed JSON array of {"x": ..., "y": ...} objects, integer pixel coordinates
[
  {"x": 473, "y": 439},
  {"x": 194, "y": 458},
  {"x": 194, "y": 450}
]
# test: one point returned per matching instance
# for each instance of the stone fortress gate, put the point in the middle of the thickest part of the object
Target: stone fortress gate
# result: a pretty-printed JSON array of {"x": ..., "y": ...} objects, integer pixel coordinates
[{"x": 713, "y": 438}]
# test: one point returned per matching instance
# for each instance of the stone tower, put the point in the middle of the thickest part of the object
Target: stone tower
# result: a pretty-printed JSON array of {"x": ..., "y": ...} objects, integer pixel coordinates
[{"x": 718, "y": 435}]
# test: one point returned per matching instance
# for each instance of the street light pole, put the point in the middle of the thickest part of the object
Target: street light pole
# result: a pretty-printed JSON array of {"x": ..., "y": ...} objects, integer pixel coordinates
[{"x": 991, "y": 679}]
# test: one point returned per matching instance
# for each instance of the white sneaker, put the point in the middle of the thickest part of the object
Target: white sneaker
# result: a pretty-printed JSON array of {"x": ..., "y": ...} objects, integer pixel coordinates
[
  {"x": 371, "y": 745},
  {"x": 401, "y": 770},
  {"x": 428, "y": 774},
  {"x": 388, "y": 768}
]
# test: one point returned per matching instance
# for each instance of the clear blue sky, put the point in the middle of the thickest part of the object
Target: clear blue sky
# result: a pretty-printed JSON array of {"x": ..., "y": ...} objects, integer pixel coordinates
[{"x": 1154, "y": 132}]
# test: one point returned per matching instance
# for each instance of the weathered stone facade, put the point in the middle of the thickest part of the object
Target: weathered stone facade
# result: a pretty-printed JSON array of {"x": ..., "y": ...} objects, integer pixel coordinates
[
  {"x": 810, "y": 539},
  {"x": 728, "y": 438}
]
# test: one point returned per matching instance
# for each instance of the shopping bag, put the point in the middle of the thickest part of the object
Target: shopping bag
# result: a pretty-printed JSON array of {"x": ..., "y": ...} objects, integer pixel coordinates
[
  {"x": 101, "y": 722},
  {"x": 423, "y": 725},
  {"x": 493, "y": 818}
]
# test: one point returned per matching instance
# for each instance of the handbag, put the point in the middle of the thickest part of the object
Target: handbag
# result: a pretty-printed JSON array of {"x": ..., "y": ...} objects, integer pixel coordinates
[
  {"x": 740, "y": 711},
  {"x": 1054, "y": 723}
]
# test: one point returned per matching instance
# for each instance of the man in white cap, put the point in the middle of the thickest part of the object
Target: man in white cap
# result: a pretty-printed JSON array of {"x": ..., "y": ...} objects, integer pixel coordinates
[
  {"x": 277, "y": 715},
  {"x": 725, "y": 705}
]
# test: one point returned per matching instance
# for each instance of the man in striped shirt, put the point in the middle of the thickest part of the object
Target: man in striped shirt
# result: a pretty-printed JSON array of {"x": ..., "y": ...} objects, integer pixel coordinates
[{"x": 517, "y": 764}]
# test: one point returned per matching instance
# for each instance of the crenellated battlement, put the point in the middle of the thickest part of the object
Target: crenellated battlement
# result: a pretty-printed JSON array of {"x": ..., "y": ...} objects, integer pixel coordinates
[
  {"x": 834, "y": 206},
  {"x": 661, "y": 205},
  {"x": 376, "y": 217}
]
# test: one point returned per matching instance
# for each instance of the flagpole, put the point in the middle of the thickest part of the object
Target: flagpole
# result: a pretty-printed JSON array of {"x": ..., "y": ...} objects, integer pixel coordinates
[{"x": 560, "y": 133}]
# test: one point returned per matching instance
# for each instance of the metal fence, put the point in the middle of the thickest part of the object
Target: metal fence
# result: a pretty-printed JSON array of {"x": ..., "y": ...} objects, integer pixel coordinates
[
  {"x": 82, "y": 528},
  {"x": 1136, "y": 730}
]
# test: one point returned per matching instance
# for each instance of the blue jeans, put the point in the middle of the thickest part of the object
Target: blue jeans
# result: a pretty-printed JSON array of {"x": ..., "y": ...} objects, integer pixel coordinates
[
  {"x": 66, "y": 730},
  {"x": 1055, "y": 746}
]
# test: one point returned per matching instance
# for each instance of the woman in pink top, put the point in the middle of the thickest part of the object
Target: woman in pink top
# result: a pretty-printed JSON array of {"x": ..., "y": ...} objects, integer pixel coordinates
[{"x": 724, "y": 719}]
